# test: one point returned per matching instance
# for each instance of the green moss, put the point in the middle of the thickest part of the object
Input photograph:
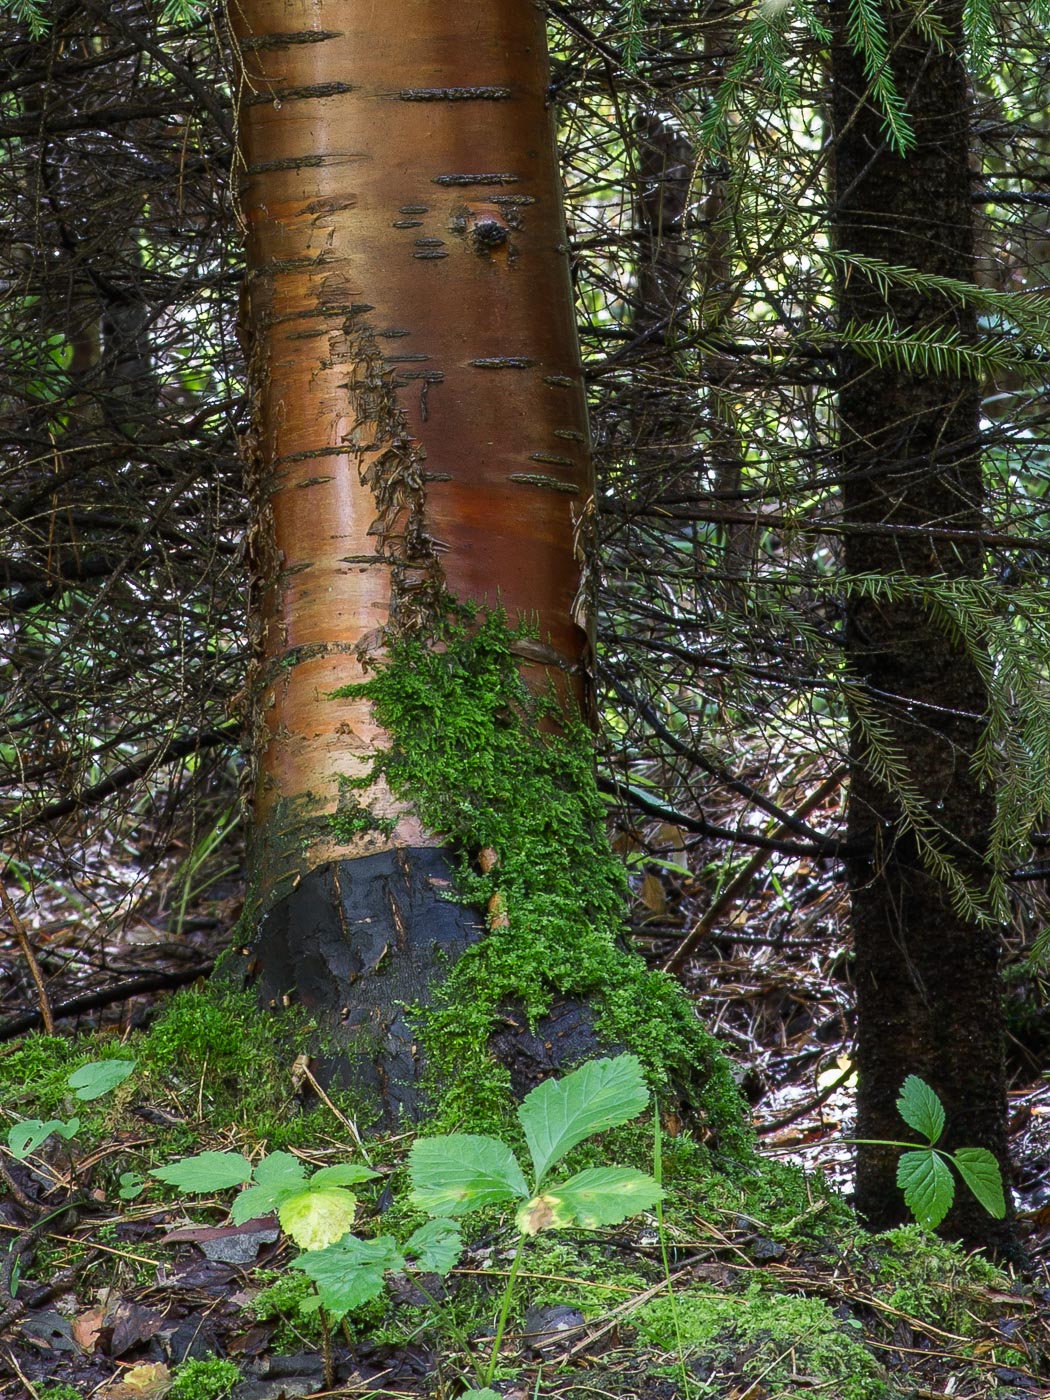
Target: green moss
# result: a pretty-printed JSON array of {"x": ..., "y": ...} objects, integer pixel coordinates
[
  {"x": 281, "y": 1301},
  {"x": 212, "y": 1062},
  {"x": 208, "y": 1379},
  {"x": 789, "y": 1344},
  {"x": 215, "y": 1044},
  {"x": 58, "y": 1392},
  {"x": 492, "y": 768},
  {"x": 774, "y": 1199},
  {"x": 922, "y": 1276}
]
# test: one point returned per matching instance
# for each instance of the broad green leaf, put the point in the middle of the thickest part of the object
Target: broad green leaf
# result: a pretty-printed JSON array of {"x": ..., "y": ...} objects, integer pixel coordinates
[
  {"x": 486, "y": 1394},
  {"x": 316, "y": 1219},
  {"x": 562, "y": 1112},
  {"x": 920, "y": 1108},
  {"x": 132, "y": 1184},
  {"x": 26, "y": 1137},
  {"x": 979, "y": 1169},
  {"x": 93, "y": 1080},
  {"x": 927, "y": 1183},
  {"x": 452, "y": 1175},
  {"x": 351, "y": 1272},
  {"x": 207, "y": 1171},
  {"x": 349, "y": 1174},
  {"x": 277, "y": 1177},
  {"x": 591, "y": 1198},
  {"x": 436, "y": 1246}
]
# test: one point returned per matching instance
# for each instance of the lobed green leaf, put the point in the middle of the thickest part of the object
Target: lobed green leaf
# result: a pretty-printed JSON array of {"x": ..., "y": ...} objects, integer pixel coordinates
[
  {"x": 920, "y": 1108},
  {"x": 925, "y": 1179},
  {"x": 458, "y": 1173},
  {"x": 26, "y": 1137},
  {"x": 350, "y": 1272},
  {"x": 436, "y": 1246},
  {"x": 562, "y": 1112}
]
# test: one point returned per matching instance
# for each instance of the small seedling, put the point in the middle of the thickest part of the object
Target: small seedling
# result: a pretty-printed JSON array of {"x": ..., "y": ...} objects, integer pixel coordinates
[
  {"x": 924, "y": 1174},
  {"x": 450, "y": 1176},
  {"x": 316, "y": 1210},
  {"x": 90, "y": 1081}
]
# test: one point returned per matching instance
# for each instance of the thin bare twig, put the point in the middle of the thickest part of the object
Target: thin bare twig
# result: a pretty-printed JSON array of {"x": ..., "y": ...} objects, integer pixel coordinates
[{"x": 30, "y": 957}]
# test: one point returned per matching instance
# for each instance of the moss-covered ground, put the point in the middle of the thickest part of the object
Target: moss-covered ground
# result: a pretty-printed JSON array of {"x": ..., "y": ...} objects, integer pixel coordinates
[{"x": 776, "y": 1291}]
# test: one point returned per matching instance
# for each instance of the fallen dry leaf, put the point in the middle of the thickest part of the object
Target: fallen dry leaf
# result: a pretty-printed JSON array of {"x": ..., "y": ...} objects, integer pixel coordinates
[
  {"x": 87, "y": 1327},
  {"x": 148, "y": 1382}
]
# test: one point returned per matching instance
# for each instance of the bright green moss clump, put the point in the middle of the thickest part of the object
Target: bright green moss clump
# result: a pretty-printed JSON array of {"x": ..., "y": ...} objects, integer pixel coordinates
[
  {"x": 468, "y": 753},
  {"x": 780, "y": 1344},
  {"x": 210, "y": 1378}
]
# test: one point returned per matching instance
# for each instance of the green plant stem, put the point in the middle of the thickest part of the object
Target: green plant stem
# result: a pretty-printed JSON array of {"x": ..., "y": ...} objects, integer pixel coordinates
[
  {"x": 454, "y": 1327},
  {"x": 508, "y": 1295},
  {"x": 891, "y": 1142},
  {"x": 658, "y": 1164}
]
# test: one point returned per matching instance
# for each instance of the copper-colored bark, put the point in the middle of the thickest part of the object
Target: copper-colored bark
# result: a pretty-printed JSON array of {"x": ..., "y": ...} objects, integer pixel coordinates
[{"x": 418, "y": 406}]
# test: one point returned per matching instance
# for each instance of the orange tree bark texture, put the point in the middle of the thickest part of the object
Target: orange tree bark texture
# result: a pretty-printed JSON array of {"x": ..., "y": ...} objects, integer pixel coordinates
[
  {"x": 928, "y": 990},
  {"x": 419, "y": 425}
]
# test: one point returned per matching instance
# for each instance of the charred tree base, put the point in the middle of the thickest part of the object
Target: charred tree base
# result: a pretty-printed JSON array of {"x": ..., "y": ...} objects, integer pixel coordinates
[{"x": 361, "y": 944}]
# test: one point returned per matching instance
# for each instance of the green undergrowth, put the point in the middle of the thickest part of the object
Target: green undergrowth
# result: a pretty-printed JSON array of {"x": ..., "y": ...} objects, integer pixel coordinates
[
  {"x": 492, "y": 768},
  {"x": 218, "y": 1067},
  {"x": 211, "y": 1063},
  {"x": 918, "y": 1275},
  {"x": 784, "y": 1344},
  {"x": 207, "y": 1378}
]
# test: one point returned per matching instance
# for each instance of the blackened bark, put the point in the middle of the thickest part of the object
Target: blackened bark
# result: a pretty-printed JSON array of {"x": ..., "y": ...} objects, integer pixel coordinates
[
  {"x": 362, "y": 943},
  {"x": 928, "y": 992}
]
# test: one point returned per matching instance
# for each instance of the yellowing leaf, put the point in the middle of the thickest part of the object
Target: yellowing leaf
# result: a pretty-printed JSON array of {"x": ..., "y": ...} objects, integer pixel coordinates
[
  {"x": 541, "y": 1213},
  {"x": 652, "y": 893},
  {"x": 834, "y": 1073},
  {"x": 316, "y": 1219},
  {"x": 148, "y": 1382}
]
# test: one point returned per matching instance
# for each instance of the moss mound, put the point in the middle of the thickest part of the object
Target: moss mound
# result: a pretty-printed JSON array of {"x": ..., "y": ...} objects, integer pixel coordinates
[{"x": 503, "y": 775}]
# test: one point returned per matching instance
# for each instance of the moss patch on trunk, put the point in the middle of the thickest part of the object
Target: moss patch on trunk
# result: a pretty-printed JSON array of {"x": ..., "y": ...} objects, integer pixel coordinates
[{"x": 509, "y": 782}]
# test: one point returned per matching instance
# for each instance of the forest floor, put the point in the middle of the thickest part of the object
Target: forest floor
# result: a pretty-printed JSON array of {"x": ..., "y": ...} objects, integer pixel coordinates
[{"x": 111, "y": 1298}]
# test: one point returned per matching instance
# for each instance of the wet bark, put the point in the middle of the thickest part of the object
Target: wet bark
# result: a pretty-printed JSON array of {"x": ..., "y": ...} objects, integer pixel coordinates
[
  {"x": 928, "y": 991},
  {"x": 419, "y": 425}
]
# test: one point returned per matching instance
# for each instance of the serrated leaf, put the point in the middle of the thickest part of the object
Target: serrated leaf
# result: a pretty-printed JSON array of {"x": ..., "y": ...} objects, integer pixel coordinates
[
  {"x": 98, "y": 1077},
  {"x": 351, "y": 1272},
  {"x": 927, "y": 1183},
  {"x": 206, "y": 1171},
  {"x": 458, "y": 1173},
  {"x": 316, "y": 1219},
  {"x": 436, "y": 1246},
  {"x": 979, "y": 1169},
  {"x": 277, "y": 1177},
  {"x": 592, "y": 1198},
  {"x": 26, "y": 1137},
  {"x": 562, "y": 1112},
  {"x": 920, "y": 1108},
  {"x": 349, "y": 1174}
]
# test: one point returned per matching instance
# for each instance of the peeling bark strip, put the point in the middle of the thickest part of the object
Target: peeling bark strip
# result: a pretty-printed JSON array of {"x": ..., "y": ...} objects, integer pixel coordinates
[
  {"x": 463, "y": 94},
  {"x": 375, "y": 141}
]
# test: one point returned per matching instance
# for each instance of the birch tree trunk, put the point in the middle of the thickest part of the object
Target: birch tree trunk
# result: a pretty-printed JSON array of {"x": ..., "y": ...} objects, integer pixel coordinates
[{"x": 419, "y": 425}]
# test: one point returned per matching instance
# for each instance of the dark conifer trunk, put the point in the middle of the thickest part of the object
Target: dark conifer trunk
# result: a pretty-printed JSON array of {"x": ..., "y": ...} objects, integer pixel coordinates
[{"x": 928, "y": 989}]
